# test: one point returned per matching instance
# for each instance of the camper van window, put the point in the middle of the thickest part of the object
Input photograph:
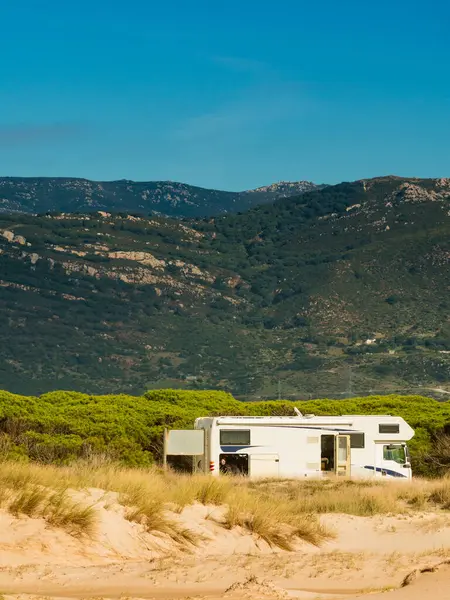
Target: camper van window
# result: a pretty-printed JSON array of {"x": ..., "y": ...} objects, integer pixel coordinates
[
  {"x": 357, "y": 440},
  {"x": 395, "y": 452},
  {"x": 389, "y": 428},
  {"x": 235, "y": 437}
]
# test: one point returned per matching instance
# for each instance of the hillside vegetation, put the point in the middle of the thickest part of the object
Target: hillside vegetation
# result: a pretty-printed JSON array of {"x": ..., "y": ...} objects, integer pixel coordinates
[
  {"x": 60, "y": 427},
  {"x": 338, "y": 291}
]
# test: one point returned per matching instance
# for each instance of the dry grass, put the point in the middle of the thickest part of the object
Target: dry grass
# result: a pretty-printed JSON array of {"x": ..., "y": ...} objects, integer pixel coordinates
[
  {"x": 56, "y": 507},
  {"x": 27, "y": 501},
  {"x": 362, "y": 498},
  {"x": 279, "y": 524},
  {"x": 362, "y": 502},
  {"x": 186, "y": 490},
  {"x": 440, "y": 493},
  {"x": 277, "y": 511},
  {"x": 75, "y": 518},
  {"x": 151, "y": 512}
]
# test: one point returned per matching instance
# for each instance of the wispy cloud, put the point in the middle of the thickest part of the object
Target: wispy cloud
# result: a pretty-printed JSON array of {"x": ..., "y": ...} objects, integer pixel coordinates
[
  {"x": 28, "y": 133},
  {"x": 240, "y": 64},
  {"x": 253, "y": 112}
]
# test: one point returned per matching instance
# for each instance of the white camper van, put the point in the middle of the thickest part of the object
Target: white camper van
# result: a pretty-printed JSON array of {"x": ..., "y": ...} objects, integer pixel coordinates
[{"x": 306, "y": 446}]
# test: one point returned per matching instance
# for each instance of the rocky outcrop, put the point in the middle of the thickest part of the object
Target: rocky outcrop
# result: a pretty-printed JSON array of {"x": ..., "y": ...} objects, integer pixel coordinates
[
  {"x": 410, "y": 192},
  {"x": 144, "y": 258},
  {"x": 11, "y": 237},
  {"x": 286, "y": 188},
  {"x": 443, "y": 182}
]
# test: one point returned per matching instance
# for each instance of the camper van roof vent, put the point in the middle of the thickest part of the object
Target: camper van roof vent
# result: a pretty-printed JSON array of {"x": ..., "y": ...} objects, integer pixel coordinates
[{"x": 309, "y": 416}]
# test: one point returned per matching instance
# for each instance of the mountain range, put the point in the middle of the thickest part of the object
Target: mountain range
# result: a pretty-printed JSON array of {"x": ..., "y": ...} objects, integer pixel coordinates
[
  {"x": 338, "y": 290},
  {"x": 70, "y": 195}
]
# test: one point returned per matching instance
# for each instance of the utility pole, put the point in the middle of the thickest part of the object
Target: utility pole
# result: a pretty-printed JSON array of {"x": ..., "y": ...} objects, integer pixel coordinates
[
  {"x": 279, "y": 389},
  {"x": 350, "y": 381},
  {"x": 165, "y": 449}
]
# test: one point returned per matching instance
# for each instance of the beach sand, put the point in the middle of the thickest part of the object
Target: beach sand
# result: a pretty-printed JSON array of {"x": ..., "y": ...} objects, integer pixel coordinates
[{"x": 406, "y": 557}]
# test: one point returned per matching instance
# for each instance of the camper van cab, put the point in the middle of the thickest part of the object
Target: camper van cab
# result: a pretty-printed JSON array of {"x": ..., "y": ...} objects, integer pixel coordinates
[{"x": 306, "y": 446}]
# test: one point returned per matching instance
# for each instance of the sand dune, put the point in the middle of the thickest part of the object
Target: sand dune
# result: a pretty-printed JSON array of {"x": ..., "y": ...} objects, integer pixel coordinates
[
  {"x": 368, "y": 556},
  {"x": 427, "y": 583}
]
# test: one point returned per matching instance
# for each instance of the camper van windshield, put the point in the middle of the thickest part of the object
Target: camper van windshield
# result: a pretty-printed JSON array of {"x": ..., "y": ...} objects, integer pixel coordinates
[{"x": 395, "y": 452}]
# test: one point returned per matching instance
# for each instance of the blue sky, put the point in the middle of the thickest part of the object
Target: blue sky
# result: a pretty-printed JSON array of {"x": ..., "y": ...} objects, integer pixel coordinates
[{"x": 231, "y": 95}]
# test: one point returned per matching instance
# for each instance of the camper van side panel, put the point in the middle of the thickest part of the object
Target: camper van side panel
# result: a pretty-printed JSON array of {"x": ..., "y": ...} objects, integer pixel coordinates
[{"x": 272, "y": 450}]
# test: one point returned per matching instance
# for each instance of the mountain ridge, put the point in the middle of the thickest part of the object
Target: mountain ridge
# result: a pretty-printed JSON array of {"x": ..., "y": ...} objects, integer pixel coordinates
[{"x": 36, "y": 195}]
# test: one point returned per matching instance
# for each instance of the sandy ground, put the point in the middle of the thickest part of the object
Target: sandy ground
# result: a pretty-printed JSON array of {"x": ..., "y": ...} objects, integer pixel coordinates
[{"x": 369, "y": 557}]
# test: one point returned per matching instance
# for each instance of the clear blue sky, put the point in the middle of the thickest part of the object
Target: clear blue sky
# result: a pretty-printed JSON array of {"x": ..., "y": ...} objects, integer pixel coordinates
[{"x": 231, "y": 94}]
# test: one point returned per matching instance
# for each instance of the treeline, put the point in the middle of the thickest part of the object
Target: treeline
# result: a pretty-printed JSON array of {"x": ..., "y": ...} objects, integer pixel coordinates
[{"x": 60, "y": 427}]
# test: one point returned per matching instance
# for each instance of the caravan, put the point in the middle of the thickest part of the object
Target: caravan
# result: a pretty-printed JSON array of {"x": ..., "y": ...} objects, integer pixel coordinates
[{"x": 306, "y": 446}]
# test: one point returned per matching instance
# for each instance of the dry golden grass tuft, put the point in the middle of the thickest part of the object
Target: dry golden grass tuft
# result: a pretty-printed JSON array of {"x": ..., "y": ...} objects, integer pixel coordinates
[
  {"x": 57, "y": 508},
  {"x": 75, "y": 518},
  {"x": 440, "y": 493},
  {"x": 279, "y": 524},
  {"x": 28, "y": 501},
  {"x": 185, "y": 490},
  {"x": 151, "y": 512}
]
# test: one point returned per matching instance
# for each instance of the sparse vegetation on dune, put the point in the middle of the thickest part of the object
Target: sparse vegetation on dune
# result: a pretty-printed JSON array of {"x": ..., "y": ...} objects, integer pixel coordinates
[
  {"x": 272, "y": 519},
  {"x": 26, "y": 496},
  {"x": 280, "y": 512},
  {"x": 361, "y": 498}
]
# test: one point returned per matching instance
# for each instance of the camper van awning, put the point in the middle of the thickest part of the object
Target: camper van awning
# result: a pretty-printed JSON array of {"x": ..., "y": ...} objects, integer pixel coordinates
[{"x": 287, "y": 421}]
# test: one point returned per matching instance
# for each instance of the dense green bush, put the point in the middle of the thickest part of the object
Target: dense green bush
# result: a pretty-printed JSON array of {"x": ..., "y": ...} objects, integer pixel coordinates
[{"x": 62, "y": 426}]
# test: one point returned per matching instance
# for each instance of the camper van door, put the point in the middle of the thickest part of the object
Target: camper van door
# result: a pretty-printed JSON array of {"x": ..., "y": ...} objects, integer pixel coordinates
[{"x": 343, "y": 459}]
